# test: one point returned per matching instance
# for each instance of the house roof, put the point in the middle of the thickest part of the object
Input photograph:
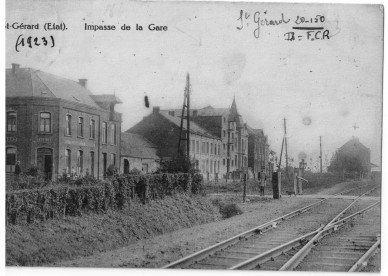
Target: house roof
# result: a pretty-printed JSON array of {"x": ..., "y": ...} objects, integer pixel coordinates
[
  {"x": 211, "y": 111},
  {"x": 255, "y": 131},
  {"x": 106, "y": 98},
  {"x": 135, "y": 145},
  {"x": 28, "y": 82},
  {"x": 353, "y": 143},
  {"x": 194, "y": 128}
]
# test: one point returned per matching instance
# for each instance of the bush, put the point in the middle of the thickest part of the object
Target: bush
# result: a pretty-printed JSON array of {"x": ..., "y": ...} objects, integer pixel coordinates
[
  {"x": 32, "y": 171},
  {"x": 230, "y": 210},
  {"x": 112, "y": 170},
  {"x": 227, "y": 210}
]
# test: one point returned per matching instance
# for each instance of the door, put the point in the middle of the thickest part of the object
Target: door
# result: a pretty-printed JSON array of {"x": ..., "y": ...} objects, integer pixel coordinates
[
  {"x": 45, "y": 162},
  {"x": 126, "y": 166}
]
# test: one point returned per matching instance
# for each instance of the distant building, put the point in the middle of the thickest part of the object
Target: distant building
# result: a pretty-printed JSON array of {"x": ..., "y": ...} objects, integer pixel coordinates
[
  {"x": 138, "y": 153},
  {"x": 258, "y": 151},
  {"x": 162, "y": 129},
  {"x": 58, "y": 125},
  {"x": 227, "y": 125},
  {"x": 354, "y": 148}
]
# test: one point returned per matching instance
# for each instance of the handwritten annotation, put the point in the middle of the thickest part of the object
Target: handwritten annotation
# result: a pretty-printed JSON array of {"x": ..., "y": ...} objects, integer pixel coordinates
[{"x": 304, "y": 28}]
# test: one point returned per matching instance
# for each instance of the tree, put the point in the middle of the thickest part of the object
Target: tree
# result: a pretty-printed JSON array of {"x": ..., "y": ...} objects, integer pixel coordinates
[{"x": 348, "y": 163}]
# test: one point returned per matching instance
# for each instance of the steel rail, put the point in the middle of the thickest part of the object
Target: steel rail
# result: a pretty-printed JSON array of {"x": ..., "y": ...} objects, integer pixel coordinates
[
  {"x": 199, "y": 255},
  {"x": 350, "y": 205},
  {"x": 302, "y": 253},
  {"x": 363, "y": 261},
  {"x": 274, "y": 252}
]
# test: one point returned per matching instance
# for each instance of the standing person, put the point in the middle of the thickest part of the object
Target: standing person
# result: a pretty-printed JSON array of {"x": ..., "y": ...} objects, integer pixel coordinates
[
  {"x": 262, "y": 180},
  {"x": 17, "y": 170}
]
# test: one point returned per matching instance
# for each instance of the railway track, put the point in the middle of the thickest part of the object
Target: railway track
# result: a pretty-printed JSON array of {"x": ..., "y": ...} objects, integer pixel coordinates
[{"x": 258, "y": 248}]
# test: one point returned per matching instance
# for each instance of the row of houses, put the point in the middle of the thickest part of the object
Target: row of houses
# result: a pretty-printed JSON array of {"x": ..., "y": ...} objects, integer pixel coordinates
[{"x": 59, "y": 126}]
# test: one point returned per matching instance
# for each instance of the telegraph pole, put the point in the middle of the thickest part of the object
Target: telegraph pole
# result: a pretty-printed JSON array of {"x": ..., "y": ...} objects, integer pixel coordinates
[
  {"x": 285, "y": 144},
  {"x": 320, "y": 150},
  {"x": 186, "y": 107},
  {"x": 188, "y": 117}
]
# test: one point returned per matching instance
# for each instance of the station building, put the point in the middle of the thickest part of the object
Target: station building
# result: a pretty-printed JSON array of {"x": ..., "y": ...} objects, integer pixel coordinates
[{"x": 58, "y": 125}]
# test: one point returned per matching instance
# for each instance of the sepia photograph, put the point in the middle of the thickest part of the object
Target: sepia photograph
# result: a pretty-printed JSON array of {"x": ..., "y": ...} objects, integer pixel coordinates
[{"x": 193, "y": 135}]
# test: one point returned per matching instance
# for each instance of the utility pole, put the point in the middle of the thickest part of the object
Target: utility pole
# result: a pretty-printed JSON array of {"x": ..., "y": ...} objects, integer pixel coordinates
[
  {"x": 285, "y": 144},
  {"x": 320, "y": 150},
  {"x": 186, "y": 107}
]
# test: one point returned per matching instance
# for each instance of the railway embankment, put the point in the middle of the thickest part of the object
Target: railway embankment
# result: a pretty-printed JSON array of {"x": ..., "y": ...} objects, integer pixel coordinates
[{"x": 75, "y": 237}]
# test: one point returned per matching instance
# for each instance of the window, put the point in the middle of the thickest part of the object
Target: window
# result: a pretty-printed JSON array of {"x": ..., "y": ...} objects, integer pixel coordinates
[
  {"x": 223, "y": 162},
  {"x": 203, "y": 147},
  {"x": 45, "y": 122},
  {"x": 113, "y": 134},
  {"x": 207, "y": 165},
  {"x": 10, "y": 160},
  {"x": 232, "y": 163},
  {"x": 68, "y": 160},
  {"x": 68, "y": 124},
  {"x": 211, "y": 148},
  {"x": 219, "y": 149},
  {"x": 224, "y": 133},
  {"x": 113, "y": 159},
  {"x": 232, "y": 148},
  {"x": 235, "y": 160},
  {"x": 80, "y": 162},
  {"x": 92, "y": 163},
  {"x": 11, "y": 121},
  {"x": 207, "y": 147},
  {"x": 92, "y": 129},
  {"x": 80, "y": 127},
  {"x": 224, "y": 147},
  {"x": 192, "y": 149},
  {"x": 197, "y": 146},
  {"x": 104, "y": 132},
  {"x": 144, "y": 168},
  {"x": 211, "y": 166}
]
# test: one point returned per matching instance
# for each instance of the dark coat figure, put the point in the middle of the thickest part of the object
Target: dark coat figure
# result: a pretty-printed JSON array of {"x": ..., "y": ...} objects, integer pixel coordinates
[{"x": 17, "y": 170}]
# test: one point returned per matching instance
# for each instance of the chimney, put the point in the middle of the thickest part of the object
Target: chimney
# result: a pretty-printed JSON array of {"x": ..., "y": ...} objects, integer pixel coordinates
[
  {"x": 15, "y": 67},
  {"x": 83, "y": 82},
  {"x": 156, "y": 109}
]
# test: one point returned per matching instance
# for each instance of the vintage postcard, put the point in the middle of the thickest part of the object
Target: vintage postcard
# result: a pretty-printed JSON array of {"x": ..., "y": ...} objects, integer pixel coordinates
[{"x": 193, "y": 135}]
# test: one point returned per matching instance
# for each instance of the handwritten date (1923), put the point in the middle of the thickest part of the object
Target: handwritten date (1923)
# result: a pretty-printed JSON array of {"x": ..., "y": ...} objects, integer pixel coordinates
[{"x": 34, "y": 42}]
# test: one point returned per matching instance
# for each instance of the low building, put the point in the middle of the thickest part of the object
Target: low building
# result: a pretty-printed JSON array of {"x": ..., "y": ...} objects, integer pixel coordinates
[
  {"x": 58, "y": 125},
  {"x": 355, "y": 149},
  {"x": 138, "y": 153},
  {"x": 162, "y": 128}
]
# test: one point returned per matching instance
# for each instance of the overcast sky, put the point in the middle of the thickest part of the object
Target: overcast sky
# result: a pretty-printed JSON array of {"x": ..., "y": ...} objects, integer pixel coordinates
[{"x": 322, "y": 87}]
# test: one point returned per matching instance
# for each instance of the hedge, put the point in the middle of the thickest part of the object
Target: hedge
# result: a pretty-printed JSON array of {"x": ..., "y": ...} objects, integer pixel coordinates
[{"x": 28, "y": 206}]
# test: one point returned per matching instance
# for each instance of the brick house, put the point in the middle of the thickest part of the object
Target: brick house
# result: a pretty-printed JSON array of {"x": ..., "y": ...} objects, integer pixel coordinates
[
  {"x": 162, "y": 128},
  {"x": 138, "y": 153},
  {"x": 57, "y": 125}
]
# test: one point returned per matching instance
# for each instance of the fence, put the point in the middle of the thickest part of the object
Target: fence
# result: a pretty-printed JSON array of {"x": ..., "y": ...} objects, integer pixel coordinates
[{"x": 28, "y": 206}]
